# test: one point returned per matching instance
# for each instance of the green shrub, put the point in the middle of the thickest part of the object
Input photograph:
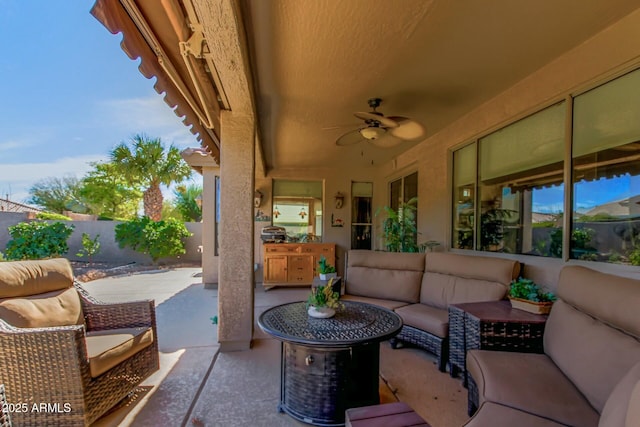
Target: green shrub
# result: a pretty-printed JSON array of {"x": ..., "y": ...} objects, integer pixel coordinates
[
  {"x": 634, "y": 256},
  {"x": 50, "y": 216},
  {"x": 90, "y": 246},
  {"x": 157, "y": 239},
  {"x": 37, "y": 240}
]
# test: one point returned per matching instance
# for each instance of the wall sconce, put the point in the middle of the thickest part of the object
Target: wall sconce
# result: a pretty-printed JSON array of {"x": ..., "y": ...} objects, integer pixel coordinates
[
  {"x": 276, "y": 212},
  {"x": 302, "y": 213},
  {"x": 339, "y": 200},
  {"x": 257, "y": 198}
]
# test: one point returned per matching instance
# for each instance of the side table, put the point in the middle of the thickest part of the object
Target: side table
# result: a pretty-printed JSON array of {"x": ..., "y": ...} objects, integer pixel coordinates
[{"x": 492, "y": 325}]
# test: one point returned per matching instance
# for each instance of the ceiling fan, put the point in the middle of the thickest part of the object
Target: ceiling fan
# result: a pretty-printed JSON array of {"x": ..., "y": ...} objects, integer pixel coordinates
[{"x": 380, "y": 130}]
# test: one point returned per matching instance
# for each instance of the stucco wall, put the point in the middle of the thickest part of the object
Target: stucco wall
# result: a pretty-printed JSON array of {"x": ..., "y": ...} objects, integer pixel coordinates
[
  {"x": 109, "y": 250},
  {"x": 609, "y": 53}
]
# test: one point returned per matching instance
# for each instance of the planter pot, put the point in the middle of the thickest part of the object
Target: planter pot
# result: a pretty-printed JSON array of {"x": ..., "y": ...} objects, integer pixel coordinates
[
  {"x": 531, "y": 306},
  {"x": 328, "y": 276},
  {"x": 321, "y": 312}
]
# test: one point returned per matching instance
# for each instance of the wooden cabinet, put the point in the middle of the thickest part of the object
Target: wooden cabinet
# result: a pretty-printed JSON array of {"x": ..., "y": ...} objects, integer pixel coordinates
[{"x": 290, "y": 264}]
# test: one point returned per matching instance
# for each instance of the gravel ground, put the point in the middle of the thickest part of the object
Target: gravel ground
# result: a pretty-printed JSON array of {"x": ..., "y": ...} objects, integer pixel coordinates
[{"x": 85, "y": 271}]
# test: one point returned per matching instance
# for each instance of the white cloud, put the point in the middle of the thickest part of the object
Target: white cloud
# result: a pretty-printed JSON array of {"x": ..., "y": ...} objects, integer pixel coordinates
[
  {"x": 10, "y": 145},
  {"x": 16, "y": 179},
  {"x": 150, "y": 115}
]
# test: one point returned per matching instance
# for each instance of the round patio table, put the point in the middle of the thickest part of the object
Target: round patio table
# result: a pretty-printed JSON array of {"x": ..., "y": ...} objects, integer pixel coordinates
[{"x": 329, "y": 365}]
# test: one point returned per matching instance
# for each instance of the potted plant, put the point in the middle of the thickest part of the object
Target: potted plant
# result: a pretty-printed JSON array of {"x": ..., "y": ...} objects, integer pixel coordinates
[
  {"x": 326, "y": 270},
  {"x": 526, "y": 295},
  {"x": 323, "y": 301},
  {"x": 399, "y": 227}
]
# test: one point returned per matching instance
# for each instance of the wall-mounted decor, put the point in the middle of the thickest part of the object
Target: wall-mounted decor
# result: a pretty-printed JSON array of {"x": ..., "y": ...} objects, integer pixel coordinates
[
  {"x": 339, "y": 200},
  {"x": 260, "y": 216},
  {"x": 336, "y": 222}
]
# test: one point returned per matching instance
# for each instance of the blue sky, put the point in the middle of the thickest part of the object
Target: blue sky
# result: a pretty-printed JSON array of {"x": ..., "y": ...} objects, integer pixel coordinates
[{"x": 69, "y": 94}]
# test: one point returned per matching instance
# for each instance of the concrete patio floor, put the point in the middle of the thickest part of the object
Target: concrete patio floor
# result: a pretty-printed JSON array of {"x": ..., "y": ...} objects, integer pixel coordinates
[{"x": 198, "y": 386}]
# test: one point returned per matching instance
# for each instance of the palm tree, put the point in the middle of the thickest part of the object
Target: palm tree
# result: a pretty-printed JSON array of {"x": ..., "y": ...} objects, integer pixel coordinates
[
  {"x": 186, "y": 202},
  {"x": 147, "y": 165}
]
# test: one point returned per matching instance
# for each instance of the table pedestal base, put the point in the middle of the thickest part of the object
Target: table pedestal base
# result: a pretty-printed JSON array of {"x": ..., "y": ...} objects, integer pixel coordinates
[{"x": 319, "y": 384}]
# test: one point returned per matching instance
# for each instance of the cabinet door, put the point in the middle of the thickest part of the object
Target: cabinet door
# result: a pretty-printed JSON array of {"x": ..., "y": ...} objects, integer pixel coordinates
[
  {"x": 275, "y": 269},
  {"x": 300, "y": 269}
]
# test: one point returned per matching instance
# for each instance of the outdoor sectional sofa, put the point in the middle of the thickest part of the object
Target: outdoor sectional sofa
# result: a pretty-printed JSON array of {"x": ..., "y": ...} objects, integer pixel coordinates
[
  {"x": 419, "y": 287},
  {"x": 590, "y": 373}
]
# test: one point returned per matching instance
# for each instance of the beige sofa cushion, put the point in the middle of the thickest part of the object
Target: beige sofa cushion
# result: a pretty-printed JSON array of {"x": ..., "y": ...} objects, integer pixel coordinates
[
  {"x": 500, "y": 270},
  {"x": 431, "y": 319},
  {"x": 385, "y": 275},
  {"x": 611, "y": 351},
  {"x": 619, "y": 406},
  {"x": 57, "y": 308},
  {"x": 531, "y": 383},
  {"x": 452, "y": 278},
  {"x": 23, "y": 278},
  {"x": 386, "y": 303},
  {"x": 108, "y": 348},
  {"x": 496, "y": 415},
  {"x": 612, "y": 299}
]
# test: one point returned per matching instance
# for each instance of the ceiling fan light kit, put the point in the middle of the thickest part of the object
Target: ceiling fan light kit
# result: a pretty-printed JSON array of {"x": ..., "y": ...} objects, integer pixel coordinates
[
  {"x": 381, "y": 131},
  {"x": 373, "y": 132}
]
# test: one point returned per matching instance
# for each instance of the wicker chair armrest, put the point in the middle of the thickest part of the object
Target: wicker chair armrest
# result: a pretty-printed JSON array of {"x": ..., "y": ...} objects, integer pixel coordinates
[
  {"x": 100, "y": 316},
  {"x": 120, "y": 315},
  {"x": 57, "y": 341}
]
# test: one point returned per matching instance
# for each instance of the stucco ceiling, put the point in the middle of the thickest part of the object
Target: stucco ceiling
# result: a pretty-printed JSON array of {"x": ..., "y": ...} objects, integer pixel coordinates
[{"x": 316, "y": 62}]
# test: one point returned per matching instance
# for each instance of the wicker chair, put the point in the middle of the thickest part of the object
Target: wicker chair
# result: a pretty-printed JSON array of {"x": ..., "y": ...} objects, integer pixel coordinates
[
  {"x": 52, "y": 367},
  {"x": 5, "y": 413}
]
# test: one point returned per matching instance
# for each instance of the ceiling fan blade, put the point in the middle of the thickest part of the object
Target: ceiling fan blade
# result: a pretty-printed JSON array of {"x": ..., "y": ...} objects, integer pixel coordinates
[
  {"x": 350, "y": 138},
  {"x": 384, "y": 121},
  {"x": 386, "y": 141},
  {"x": 407, "y": 129}
]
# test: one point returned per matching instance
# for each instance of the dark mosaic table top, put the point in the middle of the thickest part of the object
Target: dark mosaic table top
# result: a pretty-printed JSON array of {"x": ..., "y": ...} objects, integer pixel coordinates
[{"x": 357, "y": 323}]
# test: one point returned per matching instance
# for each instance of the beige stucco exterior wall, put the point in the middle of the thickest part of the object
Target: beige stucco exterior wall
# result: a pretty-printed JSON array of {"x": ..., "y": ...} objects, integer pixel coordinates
[{"x": 612, "y": 52}]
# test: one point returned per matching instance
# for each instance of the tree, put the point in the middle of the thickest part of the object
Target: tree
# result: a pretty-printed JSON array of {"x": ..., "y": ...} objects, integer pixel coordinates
[
  {"x": 108, "y": 193},
  {"x": 146, "y": 165},
  {"x": 186, "y": 202},
  {"x": 58, "y": 194}
]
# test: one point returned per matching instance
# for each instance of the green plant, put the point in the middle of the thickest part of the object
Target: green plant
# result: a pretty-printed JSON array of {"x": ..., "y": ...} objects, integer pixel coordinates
[
  {"x": 37, "y": 240},
  {"x": 323, "y": 267},
  {"x": 324, "y": 296},
  {"x": 399, "y": 227},
  {"x": 90, "y": 246},
  {"x": 492, "y": 227},
  {"x": 1, "y": 257},
  {"x": 157, "y": 239},
  {"x": 527, "y": 289},
  {"x": 634, "y": 256}
]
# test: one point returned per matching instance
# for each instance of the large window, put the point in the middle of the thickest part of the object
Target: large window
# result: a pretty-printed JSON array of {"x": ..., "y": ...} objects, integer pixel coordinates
[
  {"x": 606, "y": 173},
  {"x": 297, "y": 206},
  {"x": 521, "y": 192},
  {"x": 520, "y": 184}
]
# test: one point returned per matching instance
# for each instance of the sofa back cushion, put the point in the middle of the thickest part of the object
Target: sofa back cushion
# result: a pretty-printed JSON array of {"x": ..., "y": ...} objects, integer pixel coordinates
[
  {"x": 451, "y": 278},
  {"x": 56, "y": 308},
  {"x": 622, "y": 401},
  {"x": 385, "y": 275},
  {"x": 23, "y": 278},
  {"x": 593, "y": 329}
]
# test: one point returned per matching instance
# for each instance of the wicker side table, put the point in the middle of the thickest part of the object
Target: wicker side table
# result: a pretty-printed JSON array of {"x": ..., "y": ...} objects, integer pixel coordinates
[{"x": 493, "y": 325}]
